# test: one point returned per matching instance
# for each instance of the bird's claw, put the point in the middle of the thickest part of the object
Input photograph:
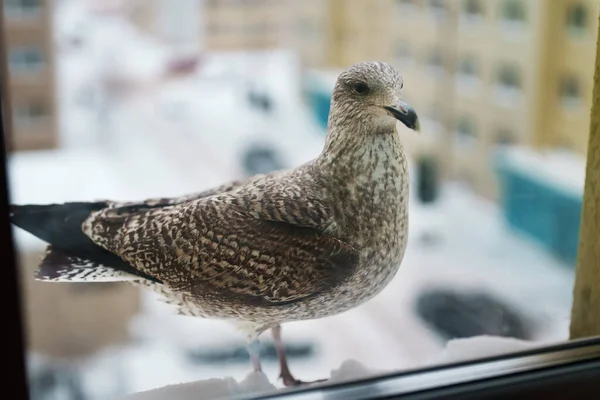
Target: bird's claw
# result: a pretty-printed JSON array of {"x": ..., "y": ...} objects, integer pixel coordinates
[{"x": 290, "y": 381}]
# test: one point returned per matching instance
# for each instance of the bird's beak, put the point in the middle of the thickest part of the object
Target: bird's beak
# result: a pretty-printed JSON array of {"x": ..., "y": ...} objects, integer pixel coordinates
[{"x": 405, "y": 114}]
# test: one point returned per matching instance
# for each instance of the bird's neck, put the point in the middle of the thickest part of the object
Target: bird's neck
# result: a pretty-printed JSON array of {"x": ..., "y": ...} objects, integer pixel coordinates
[
  {"x": 362, "y": 148},
  {"x": 367, "y": 173},
  {"x": 368, "y": 165}
]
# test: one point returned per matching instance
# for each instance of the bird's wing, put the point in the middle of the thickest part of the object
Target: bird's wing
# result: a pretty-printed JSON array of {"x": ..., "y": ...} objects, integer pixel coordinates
[
  {"x": 283, "y": 196},
  {"x": 211, "y": 247},
  {"x": 160, "y": 202},
  {"x": 294, "y": 197}
]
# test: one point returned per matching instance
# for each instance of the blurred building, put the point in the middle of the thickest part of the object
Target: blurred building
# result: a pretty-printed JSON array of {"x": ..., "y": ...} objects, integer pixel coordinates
[
  {"x": 173, "y": 22},
  {"x": 307, "y": 27},
  {"x": 484, "y": 74},
  {"x": 30, "y": 58},
  {"x": 325, "y": 33},
  {"x": 311, "y": 31},
  {"x": 244, "y": 25}
]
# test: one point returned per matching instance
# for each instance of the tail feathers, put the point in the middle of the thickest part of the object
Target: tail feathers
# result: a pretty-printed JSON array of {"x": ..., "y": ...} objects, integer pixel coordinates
[
  {"x": 57, "y": 266},
  {"x": 57, "y": 224},
  {"x": 74, "y": 256}
]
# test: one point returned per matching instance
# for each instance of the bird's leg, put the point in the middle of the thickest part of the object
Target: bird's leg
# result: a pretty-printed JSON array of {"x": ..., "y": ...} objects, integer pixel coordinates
[
  {"x": 254, "y": 351},
  {"x": 285, "y": 375}
]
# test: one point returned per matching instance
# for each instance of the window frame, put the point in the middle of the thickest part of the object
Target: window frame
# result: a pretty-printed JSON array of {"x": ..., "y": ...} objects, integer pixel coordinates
[
  {"x": 570, "y": 367},
  {"x": 16, "y": 382},
  {"x": 22, "y": 67}
]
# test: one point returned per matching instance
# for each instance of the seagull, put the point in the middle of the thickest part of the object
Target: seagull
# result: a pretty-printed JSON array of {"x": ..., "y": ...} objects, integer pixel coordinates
[{"x": 288, "y": 245}]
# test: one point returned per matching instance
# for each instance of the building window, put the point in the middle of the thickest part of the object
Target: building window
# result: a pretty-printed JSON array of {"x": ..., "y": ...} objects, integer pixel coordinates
[
  {"x": 405, "y": 4},
  {"x": 508, "y": 85},
  {"x": 468, "y": 67},
  {"x": 22, "y": 8},
  {"x": 465, "y": 132},
  {"x": 30, "y": 113},
  {"x": 473, "y": 9},
  {"x": 467, "y": 76},
  {"x": 25, "y": 60},
  {"x": 513, "y": 11},
  {"x": 570, "y": 92},
  {"x": 508, "y": 78},
  {"x": 438, "y": 7},
  {"x": 435, "y": 63},
  {"x": 577, "y": 19}
]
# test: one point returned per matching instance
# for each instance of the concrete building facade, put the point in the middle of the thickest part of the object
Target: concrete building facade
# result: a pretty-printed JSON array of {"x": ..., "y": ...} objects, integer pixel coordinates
[{"x": 31, "y": 68}]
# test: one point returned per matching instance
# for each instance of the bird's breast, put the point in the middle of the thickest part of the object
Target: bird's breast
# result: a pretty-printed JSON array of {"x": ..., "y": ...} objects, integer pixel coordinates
[{"x": 372, "y": 214}]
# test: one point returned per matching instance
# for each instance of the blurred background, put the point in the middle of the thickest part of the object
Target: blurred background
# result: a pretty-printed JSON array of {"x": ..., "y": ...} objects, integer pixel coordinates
[{"x": 126, "y": 99}]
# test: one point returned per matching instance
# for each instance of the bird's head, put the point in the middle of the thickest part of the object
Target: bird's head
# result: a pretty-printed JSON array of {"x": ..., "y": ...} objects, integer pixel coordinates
[{"x": 370, "y": 92}]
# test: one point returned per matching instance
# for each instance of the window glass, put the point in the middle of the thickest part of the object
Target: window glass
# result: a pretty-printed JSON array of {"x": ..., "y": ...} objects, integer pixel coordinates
[{"x": 257, "y": 194}]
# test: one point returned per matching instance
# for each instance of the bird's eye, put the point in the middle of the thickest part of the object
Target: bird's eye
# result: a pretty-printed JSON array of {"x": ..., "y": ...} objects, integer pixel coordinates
[{"x": 360, "y": 88}]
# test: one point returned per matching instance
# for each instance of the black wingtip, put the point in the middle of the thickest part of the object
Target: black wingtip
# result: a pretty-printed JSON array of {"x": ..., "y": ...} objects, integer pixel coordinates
[
  {"x": 13, "y": 209},
  {"x": 17, "y": 213},
  {"x": 52, "y": 222},
  {"x": 23, "y": 215}
]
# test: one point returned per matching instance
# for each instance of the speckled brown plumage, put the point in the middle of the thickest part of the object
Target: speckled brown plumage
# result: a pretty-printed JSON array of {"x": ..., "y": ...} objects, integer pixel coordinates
[{"x": 290, "y": 245}]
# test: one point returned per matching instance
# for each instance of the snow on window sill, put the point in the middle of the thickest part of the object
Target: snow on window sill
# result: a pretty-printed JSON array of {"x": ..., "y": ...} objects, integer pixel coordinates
[{"x": 456, "y": 350}]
